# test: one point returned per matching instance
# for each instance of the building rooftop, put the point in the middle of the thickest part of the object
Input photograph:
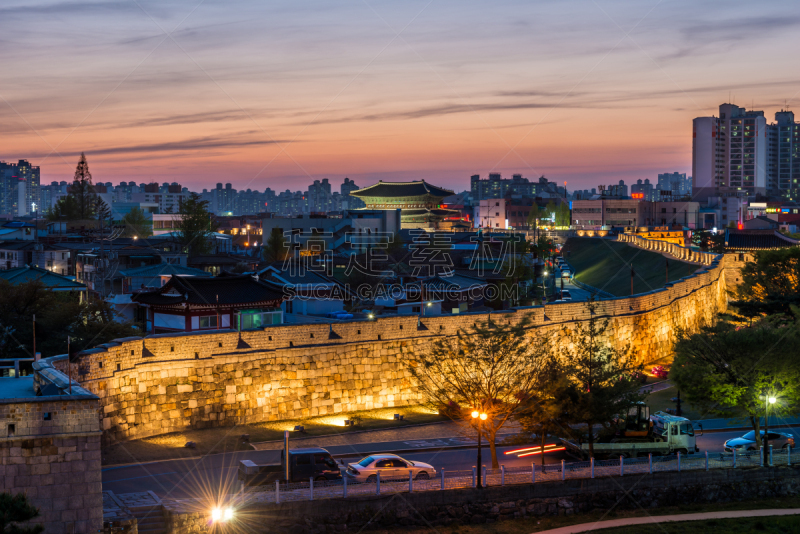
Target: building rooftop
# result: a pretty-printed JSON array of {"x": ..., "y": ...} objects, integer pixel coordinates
[
  {"x": 757, "y": 240},
  {"x": 164, "y": 269},
  {"x": 54, "y": 281},
  {"x": 401, "y": 189},
  {"x": 16, "y": 388},
  {"x": 220, "y": 290}
]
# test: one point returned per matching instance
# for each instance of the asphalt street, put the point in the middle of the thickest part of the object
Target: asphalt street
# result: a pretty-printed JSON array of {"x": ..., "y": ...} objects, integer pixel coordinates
[{"x": 218, "y": 473}]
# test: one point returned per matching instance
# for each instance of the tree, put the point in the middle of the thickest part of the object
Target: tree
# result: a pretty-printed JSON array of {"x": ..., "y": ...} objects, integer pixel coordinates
[
  {"x": 196, "y": 226},
  {"x": 603, "y": 375},
  {"x": 58, "y": 314},
  {"x": 543, "y": 247},
  {"x": 66, "y": 209},
  {"x": 534, "y": 215},
  {"x": 563, "y": 215},
  {"x": 725, "y": 369},
  {"x": 82, "y": 189},
  {"x": 276, "y": 247},
  {"x": 549, "y": 210},
  {"x": 771, "y": 284},
  {"x": 137, "y": 224},
  {"x": 16, "y": 509},
  {"x": 492, "y": 368},
  {"x": 103, "y": 214},
  {"x": 549, "y": 410},
  {"x": 80, "y": 201}
]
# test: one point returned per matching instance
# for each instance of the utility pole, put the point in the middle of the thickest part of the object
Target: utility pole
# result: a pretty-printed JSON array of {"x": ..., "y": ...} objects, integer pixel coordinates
[
  {"x": 632, "y": 275},
  {"x": 69, "y": 367}
]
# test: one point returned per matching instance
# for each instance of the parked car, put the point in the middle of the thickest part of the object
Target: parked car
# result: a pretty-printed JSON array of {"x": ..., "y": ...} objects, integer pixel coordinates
[
  {"x": 566, "y": 274},
  {"x": 390, "y": 466},
  {"x": 304, "y": 464},
  {"x": 748, "y": 441},
  {"x": 660, "y": 372},
  {"x": 565, "y": 294}
]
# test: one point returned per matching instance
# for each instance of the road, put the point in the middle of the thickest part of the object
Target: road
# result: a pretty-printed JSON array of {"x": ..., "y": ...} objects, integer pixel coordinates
[
  {"x": 218, "y": 473},
  {"x": 575, "y": 292}
]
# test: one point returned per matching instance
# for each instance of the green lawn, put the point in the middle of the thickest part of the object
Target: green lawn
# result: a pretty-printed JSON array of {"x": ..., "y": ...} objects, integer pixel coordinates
[
  {"x": 528, "y": 525},
  {"x": 606, "y": 265}
]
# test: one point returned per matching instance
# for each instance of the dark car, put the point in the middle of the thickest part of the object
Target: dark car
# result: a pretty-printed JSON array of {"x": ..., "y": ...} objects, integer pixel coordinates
[
  {"x": 304, "y": 464},
  {"x": 313, "y": 462}
]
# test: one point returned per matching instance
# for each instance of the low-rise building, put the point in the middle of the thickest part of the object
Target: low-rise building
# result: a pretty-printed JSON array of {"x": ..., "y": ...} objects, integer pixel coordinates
[
  {"x": 21, "y": 253},
  {"x": 491, "y": 213},
  {"x": 307, "y": 292},
  {"x": 600, "y": 213},
  {"x": 222, "y": 302}
]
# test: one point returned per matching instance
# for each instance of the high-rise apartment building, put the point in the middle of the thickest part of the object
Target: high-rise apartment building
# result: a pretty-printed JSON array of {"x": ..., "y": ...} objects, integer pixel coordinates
[
  {"x": 783, "y": 159},
  {"x": 517, "y": 186},
  {"x": 644, "y": 190},
  {"x": 348, "y": 186},
  {"x": 729, "y": 153},
  {"x": 676, "y": 183},
  {"x": 19, "y": 188}
]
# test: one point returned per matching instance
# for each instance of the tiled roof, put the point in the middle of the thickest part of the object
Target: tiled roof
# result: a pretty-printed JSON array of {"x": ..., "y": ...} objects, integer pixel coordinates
[
  {"x": 435, "y": 211},
  {"x": 26, "y": 245},
  {"x": 757, "y": 240},
  {"x": 164, "y": 269},
  {"x": 299, "y": 275},
  {"x": 225, "y": 290},
  {"x": 454, "y": 282},
  {"x": 221, "y": 260},
  {"x": 20, "y": 275},
  {"x": 401, "y": 189}
]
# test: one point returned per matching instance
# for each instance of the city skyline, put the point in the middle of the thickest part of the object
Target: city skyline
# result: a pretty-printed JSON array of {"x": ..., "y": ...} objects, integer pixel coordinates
[{"x": 197, "y": 94}]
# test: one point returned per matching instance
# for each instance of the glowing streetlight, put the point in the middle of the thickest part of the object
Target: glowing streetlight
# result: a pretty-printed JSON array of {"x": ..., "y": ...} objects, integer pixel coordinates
[
  {"x": 478, "y": 417},
  {"x": 222, "y": 515},
  {"x": 768, "y": 399}
]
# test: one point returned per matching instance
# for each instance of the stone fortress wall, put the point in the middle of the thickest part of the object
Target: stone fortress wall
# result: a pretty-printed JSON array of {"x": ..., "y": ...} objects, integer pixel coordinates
[
  {"x": 171, "y": 382},
  {"x": 50, "y": 450}
]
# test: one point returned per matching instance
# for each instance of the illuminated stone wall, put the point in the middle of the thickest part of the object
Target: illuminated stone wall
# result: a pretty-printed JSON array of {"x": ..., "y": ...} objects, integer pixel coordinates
[
  {"x": 50, "y": 451},
  {"x": 170, "y": 382}
]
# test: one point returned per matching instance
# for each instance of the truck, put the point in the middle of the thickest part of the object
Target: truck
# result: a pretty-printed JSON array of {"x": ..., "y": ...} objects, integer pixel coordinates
[
  {"x": 639, "y": 433},
  {"x": 304, "y": 465}
]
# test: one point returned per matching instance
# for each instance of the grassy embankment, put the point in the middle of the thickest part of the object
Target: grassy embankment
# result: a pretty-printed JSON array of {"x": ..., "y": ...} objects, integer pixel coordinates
[{"x": 606, "y": 265}]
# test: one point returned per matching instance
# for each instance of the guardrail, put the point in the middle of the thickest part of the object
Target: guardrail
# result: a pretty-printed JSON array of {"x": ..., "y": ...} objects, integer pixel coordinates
[{"x": 446, "y": 480}]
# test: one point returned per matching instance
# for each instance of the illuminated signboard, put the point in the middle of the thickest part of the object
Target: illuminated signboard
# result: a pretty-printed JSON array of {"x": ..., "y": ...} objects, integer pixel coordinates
[{"x": 637, "y": 195}]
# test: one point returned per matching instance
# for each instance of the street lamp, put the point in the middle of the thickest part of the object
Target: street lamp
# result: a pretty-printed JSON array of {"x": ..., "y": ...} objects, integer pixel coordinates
[
  {"x": 478, "y": 417},
  {"x": 222, "y": 515},
  {"x": 768, "y": 399}
]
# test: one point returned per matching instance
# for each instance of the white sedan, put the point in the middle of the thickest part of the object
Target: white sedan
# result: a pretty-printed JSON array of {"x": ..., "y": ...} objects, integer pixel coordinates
[{"x": 390, "y": 467}]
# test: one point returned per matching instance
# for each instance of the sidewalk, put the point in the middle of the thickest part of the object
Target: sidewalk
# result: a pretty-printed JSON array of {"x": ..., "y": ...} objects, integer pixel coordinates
[
  {"x": 441, "y": 434},
  {"x": 631, "y": 521},
  {"x": 438, "y": 434}
]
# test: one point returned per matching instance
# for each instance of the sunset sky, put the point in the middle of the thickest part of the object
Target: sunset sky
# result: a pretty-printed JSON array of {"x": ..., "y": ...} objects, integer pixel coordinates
[{"x": 276, "y": 93}]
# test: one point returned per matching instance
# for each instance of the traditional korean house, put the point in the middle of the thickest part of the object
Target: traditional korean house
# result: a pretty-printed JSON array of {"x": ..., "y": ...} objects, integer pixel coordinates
[{"x": 224, "y": 302}]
